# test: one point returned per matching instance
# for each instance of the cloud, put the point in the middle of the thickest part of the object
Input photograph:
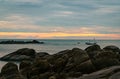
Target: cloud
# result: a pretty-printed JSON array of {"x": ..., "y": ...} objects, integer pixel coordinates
[
  {"x": 60, "y": 16},
  {"x": 107, "y": 9},
  {"x": 31, "y": 1},
  {"x": 63, "y": 13}
]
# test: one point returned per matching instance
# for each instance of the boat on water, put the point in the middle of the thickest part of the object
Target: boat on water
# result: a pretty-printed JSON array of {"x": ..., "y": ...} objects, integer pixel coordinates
[{"x": 91, "y": 42}]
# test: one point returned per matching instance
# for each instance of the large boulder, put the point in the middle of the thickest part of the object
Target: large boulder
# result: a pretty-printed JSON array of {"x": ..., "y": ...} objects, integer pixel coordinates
[
  {"x": 93, "y": 50},
  {"x": 25, "y": 68},
  {"x": 76, "y": 57},
  {"x": 112, "y": 48},
  {"x": 38, "y": 67},
  {"x": 10, "y": 71},
  {"x": 105, "y": 59},
  {"x": 19, "y": 55}
]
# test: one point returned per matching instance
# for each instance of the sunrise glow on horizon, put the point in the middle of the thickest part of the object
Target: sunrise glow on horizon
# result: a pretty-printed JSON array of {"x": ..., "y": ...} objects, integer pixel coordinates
[
  {"x": 60, "y": 19},
  {"x": 22, "y": 35}
]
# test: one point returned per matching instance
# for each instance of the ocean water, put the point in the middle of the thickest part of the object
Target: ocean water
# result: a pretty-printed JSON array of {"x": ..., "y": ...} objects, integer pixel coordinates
[{"x": 51, "y": 46}]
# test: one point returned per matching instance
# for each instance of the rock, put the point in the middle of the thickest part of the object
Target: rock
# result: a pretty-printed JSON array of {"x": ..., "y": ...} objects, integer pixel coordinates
[
  {"x": 21, "y": 42},
  {"x": 25, "y": 68},
  {"x": 115, "y": 76},
  {"x": 108, "y": 73},
  {"x": 107, "y": 54},
  {"x": 9, "y": 68},
  {"x": 59, "y": 65},
  {"x": 105, "y": 62},
  {"x": 68, "y": 63},
  {"x": 38, "y": 67},
  {"x": 112, "y": 48},
  {"x": 41, "y": 54},
  {"x": 76, "y": 57},
  {"x": 46, "y": 75},
  {"x": 74, "y": 74},
  {"x": 19, "y": 55},
  {"x": 86, "y": 67},
  {"x": 24, "y": 64},
  {"x": 10, "y": 71},
  {"x": 93, "y": 50},
  {"x": 105, "y": 59},
  {"x": 52, "y": 77}
]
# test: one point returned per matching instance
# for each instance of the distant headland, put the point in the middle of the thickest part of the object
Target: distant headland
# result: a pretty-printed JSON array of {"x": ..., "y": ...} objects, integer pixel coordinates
[{"x": 21, "y": 42}]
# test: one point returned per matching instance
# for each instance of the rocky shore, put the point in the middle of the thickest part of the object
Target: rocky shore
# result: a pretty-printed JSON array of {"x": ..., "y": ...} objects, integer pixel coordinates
[
  {"x": 21, "y": 42},
  {"x": 90, "y": 63}
]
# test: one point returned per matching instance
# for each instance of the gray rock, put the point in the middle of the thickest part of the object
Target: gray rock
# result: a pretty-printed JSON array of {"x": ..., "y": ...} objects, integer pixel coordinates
[
  {"x": 108, "y": 73},
  {"x": 115, "y": 76}
]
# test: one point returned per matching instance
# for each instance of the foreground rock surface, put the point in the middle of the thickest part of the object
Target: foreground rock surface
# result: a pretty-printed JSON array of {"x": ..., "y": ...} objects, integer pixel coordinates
[
  {"x": 95, "y": 62},
  {"x": 108, "y": 73},
  {"x": 19, "y": 55},
  {"x": 10, "y": 71}
]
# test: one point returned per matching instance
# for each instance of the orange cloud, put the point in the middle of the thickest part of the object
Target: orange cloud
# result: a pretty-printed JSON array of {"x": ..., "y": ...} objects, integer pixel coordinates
[{"x": 53, "y": 35}]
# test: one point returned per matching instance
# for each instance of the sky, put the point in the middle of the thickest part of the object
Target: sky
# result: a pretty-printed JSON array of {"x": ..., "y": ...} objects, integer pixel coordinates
[{"x": 59, "y": 19}]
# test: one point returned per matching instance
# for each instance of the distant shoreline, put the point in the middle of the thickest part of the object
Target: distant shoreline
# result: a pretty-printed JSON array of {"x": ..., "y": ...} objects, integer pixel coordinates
[{"x": 21, "y": 42}]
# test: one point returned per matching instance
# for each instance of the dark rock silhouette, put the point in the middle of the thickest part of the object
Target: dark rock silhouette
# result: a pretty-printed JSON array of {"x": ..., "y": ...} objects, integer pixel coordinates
[
  {"x": 112, "y": 48},
  {"x": 95, "y": 62},
  {"x": 21, "y": 42},
  {"x": 19, "y": 55},
  {"x": 10, "y": 71}
]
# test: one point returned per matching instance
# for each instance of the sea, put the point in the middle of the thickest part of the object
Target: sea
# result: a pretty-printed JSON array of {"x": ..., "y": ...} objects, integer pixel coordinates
[{"x": 51, "y": 46}]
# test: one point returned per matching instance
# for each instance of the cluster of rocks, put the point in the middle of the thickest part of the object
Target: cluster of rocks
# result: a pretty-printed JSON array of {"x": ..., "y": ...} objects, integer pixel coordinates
[
  {"x": 95, "y": 62},
  {"x": 21, "y": 42}
]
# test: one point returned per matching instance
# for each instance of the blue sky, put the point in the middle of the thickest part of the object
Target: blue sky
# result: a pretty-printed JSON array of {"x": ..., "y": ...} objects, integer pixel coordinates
[{"x": 60, "y": 16}]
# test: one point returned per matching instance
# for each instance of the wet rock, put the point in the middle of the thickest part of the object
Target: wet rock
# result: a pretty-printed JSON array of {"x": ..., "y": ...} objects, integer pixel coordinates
[
  {"x": 42, "y": 54},
  {"x": 19, "y": 55},
  {"x": 86, "y": 67},
  {"x": 39, "y": 67},
  {"x": 25, "y": 68},
  {"x": 115, "y": 76},
  {"x": 52, "y": 77},
  {"x": 76, "y": 57},
  {"x": 10, "y": 71},
  {"x": 108, "y": 73},
  {"x": 59, "y": 65},
  {"x": 46, "y": 75},
  {"x": 93, "y": 50},
  {"x": 105, "y": 59},
  {"x": 112, "y": 48},
  {"x": 74, "y": 74},
  {"x": 24, "y": 64}
]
